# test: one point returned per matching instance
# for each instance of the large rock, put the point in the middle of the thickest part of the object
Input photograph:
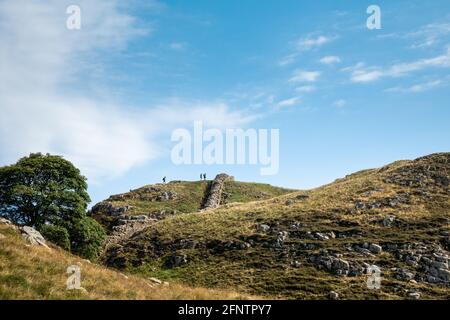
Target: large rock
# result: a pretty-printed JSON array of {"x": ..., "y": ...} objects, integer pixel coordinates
[
  {"x": 4, "y": 221},
  {"x": 110, "y": 209},
  {"x": 33, "y": 236},
  {"x": 375, "y": 248},
  {"x": 176, "y": 260}
]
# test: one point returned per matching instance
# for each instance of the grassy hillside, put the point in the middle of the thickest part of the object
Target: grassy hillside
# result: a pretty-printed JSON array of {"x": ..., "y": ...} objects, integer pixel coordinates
[
  {"x": 305, "y": 244},
  {"x": 28, "y": 272},
  {"x": 178, "y": 197}
]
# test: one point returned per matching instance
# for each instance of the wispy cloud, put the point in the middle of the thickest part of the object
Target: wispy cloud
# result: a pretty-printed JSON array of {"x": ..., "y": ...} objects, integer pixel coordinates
[
  {"x": 340, "y": 103},
  {"x": 424, "y": 37},
  {"x": 304, "y": 76},
  {"x": 361, "y": 73},
  {"x": 304, "y": 44},
  {"x": 177, "y": 46},
  {"x": 310, "y": 42},
  {"x": 288, "y": 102},
  {"x": 330, "y": 60},
  {"x": 430, "y": 34},
  {"x": 305, "y": 88},
  {"x": 288, "y": 59},
  {"x": 421, "y": 87}
]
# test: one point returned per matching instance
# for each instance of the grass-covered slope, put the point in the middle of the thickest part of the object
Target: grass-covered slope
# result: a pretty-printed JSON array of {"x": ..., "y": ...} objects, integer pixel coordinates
[
  {"x": 306, "y": 244},
  {"x": 177, "y": 197},
  {"x": 30, "y": 272}
]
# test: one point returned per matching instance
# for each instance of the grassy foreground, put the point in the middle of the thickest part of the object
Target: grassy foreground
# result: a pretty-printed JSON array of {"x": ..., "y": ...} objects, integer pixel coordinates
[{"x": 29, "y": 272}]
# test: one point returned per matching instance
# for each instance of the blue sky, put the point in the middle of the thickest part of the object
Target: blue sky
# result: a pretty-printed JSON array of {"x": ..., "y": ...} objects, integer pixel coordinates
[{"x": 108, "y": 96}]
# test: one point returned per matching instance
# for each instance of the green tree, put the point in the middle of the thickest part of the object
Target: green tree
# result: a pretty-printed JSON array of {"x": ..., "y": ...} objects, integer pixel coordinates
[
  {"x": 42, "y": 190},
  {"x": 86, "y": 237},
  {"x": 56, "y": 234}
]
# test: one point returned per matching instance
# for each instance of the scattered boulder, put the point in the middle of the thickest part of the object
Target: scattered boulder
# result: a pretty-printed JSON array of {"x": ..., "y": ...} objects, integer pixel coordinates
[
  {"x": 333, "y": 295},
  {"x": 289, "y": 202},
  {"x": 296, "y": 264},
  {"x": 404, "y": 274},
  {"x": 176, "y": 260},
  {"x": 33, "y": 236},
  {"x": 166, "y": 196},
  {"x": 388, "y": 221},
  {"x": 375, "y": 248},
  {"x": 155, "y": 281},
  {"x": 236, "y": 245},
  {"x": 334, "y": 263},
  {"x": 263, "y": 227},
  {"x": 413, "y": 295},
  {"x": 324, "y": 235}
]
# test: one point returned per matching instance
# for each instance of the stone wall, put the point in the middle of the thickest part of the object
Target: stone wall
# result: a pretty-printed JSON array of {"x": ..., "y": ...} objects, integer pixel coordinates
[{"x": 215, "y": 191}]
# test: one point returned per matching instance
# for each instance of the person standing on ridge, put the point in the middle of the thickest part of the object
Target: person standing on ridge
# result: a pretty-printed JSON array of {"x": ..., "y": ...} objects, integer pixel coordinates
[{"x": 164, "y": 179}]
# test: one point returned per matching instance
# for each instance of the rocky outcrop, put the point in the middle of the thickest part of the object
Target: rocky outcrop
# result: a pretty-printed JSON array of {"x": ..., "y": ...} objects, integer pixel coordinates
[
  {"x": 110, "y": 209},
  {"x": 33, "y": 236},
  {"x": 334, "y": 263},
  {"x": 428, "y": 171},
  {"x": 214, "y": 195},
  {"x": 126, "y": 227}
]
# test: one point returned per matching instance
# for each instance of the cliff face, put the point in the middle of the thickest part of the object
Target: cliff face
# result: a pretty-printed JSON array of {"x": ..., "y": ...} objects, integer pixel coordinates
[{"x": 307, "y": 244}]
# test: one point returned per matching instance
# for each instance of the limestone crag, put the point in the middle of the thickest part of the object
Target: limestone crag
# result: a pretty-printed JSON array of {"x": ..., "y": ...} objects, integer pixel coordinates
[{"x": 126, "y": 227}]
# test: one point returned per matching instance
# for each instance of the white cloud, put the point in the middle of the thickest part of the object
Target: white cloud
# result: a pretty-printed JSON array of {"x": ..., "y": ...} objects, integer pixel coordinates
[
  {"x": 429, "y": 35},
  {"x": 304, "y": 44},
  {"x": 289, "y": 59},
  {"x": 305, "y": 89},
  {"x": 44, "y": 108},
  {"x": 330, "y": 60},
  {"x": 361, "y": 73},
  {"x": 288, "y": 102},
  {"x": 421, "y": 87},
  {"x": 305, "y": 76},
  {"x": 308, "y": 43},
  {"x": 177, "y": 46},
  {"x": 340, "y": 103}
]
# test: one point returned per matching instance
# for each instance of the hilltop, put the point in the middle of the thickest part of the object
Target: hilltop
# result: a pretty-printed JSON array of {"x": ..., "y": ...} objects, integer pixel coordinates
[{"x": 304, "y": 244}]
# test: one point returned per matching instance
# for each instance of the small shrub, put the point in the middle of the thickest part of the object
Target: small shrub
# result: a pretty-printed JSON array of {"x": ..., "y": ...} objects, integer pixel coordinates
[
  {"x": 57, "y": 235},
  {"x": 87, "y": 236}
]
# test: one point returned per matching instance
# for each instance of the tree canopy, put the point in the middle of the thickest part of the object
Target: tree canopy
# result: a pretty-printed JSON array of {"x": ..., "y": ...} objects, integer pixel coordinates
[
  {"x": 47, "y": 190},
  {"x": 42, "y": 189}
]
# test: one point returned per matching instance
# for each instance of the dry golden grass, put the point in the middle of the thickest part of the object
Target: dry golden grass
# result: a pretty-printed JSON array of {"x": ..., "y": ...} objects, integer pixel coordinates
[{"x": 28, "y": 272}]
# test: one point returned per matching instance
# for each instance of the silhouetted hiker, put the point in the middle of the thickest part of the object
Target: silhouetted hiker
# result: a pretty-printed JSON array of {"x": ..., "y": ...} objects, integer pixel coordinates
[
  {"x": 204, "y": 176},
  {"x": 164, "y": 180},
  {"x": 201, "y": 176}
]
